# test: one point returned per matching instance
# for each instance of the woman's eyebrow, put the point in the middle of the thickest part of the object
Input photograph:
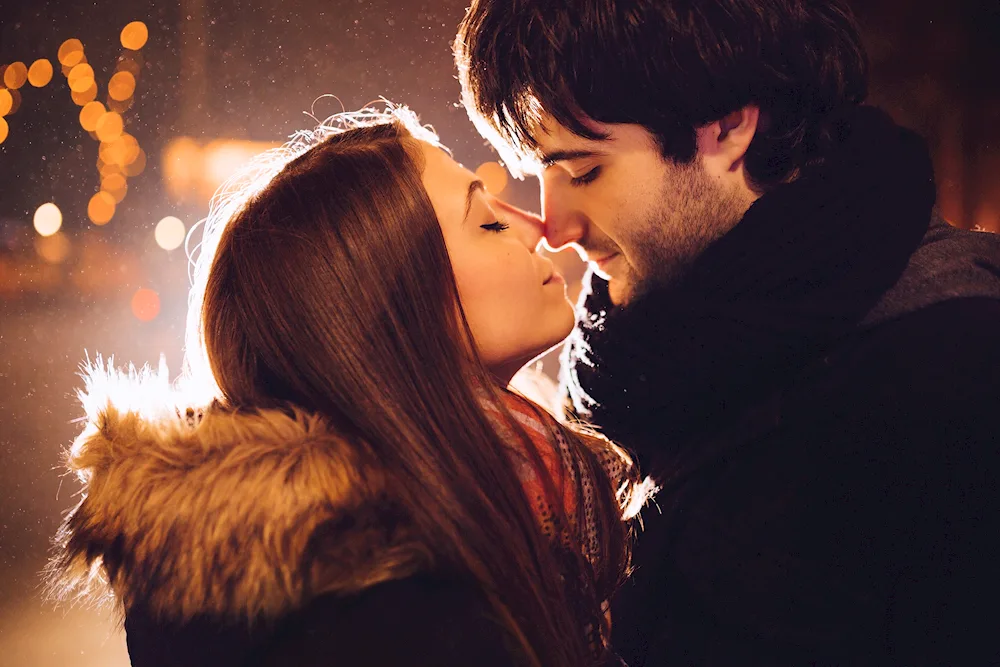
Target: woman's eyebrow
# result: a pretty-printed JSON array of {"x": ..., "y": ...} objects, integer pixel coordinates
[{"x": 473, "y": 187}]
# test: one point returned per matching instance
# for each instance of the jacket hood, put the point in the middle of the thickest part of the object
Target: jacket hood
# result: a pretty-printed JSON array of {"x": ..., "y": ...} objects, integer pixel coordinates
[{"x": 200, "y": 509}]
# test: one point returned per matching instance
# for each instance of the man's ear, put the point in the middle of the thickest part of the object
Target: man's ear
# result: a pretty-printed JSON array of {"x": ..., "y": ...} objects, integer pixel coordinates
[{"x": 723, "y": 144}]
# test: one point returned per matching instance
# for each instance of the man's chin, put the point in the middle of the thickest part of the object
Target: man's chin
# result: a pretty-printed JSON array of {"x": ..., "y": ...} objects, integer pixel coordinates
[
  {"x": 618, "y": 288},
  {"x": 619, "y": 291}
]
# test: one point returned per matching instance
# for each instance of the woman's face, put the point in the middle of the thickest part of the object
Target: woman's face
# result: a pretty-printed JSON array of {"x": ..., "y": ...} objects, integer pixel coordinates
[{"x": 514, "y": 300}]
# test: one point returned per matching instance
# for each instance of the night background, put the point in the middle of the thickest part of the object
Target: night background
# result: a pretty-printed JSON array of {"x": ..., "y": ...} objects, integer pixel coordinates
[{"x": 216, "y": 81}]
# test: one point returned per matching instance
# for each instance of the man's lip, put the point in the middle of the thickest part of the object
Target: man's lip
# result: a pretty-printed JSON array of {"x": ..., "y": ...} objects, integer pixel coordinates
[
  {"x": 554, "y": 277},
  {"x": 602, "y": 262}
]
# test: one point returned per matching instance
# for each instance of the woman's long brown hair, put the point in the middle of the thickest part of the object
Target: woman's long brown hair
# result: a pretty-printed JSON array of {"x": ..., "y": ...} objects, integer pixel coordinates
[{"x": 331, "y": 289}]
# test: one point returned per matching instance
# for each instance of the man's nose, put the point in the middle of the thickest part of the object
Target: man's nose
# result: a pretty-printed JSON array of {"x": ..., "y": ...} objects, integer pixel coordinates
[
  {"x": 561, "y": 225},
  {"x": 528, "y": 226}
]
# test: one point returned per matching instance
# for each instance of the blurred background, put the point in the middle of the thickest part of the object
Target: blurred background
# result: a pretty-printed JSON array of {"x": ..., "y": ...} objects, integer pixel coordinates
[{"x": 119, "y": 119}]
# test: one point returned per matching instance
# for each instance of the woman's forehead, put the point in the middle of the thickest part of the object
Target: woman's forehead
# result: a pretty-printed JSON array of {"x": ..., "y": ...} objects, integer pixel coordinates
[{"x": 446, "y": 182}]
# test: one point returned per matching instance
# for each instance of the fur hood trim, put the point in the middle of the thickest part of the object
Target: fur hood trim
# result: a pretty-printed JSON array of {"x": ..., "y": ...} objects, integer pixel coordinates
[{"x": 244, "y": 515}]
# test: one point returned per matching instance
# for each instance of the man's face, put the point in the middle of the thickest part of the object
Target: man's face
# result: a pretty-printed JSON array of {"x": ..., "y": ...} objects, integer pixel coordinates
[{"x": 640, "y": 218}]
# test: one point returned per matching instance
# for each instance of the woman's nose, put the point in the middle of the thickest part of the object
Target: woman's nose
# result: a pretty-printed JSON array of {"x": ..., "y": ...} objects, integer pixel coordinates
[{"x": 529, "y": 227}]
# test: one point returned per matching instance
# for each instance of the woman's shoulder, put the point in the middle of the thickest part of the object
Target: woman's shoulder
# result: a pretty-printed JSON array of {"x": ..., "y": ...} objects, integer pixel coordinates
[{"x": 422, "y": 620}]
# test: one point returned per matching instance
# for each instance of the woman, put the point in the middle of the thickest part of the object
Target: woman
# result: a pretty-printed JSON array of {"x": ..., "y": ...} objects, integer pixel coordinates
[{"x": 359, "y": 487}]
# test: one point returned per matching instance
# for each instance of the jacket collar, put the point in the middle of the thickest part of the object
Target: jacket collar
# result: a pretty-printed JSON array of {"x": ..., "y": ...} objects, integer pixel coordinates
[{"x": 204, "y": 510}]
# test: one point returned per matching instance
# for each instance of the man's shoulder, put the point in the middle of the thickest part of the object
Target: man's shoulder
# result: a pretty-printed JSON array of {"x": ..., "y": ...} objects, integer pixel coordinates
[
  {"x": 944, "y": 357},
  {"x": 968, "y": 326}
]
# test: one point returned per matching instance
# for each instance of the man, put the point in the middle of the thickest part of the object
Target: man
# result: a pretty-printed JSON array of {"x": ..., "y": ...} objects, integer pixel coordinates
[{"x": 796, "y": 346}]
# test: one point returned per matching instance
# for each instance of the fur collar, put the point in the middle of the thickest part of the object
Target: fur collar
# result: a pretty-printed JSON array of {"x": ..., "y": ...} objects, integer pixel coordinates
[{"x": 244, "y": 515}]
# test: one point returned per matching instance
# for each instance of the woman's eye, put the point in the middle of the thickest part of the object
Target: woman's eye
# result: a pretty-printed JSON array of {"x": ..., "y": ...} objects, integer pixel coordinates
[
  {"x": 586, "y": 178},
  {"x": 496, "y": 226}
]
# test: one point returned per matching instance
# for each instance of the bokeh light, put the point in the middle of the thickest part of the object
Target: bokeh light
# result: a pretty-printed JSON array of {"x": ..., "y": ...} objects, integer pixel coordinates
[
  {"x": 134, "y": 35},
  {"x": 493, "y": 176},
  {"x": 137, "y": 166},
  {"x": 90, "y": 114},
  {"x": 115, "y": 185},
  {"x": 15, "y": 101},
  {"x": 16, "y": 75},
  {"x": 66, "y": 69},
  {"x": 48, "y": 219},
  {"x": 113, "y": 152},
  {"x": 182, "y": 162},
  {"x": 4, "y": 130},
  {"x": 6, "y": 102},
  {"x": 40, "y": 73},
  {"x": 120, "y": 106},
  {"x": 121, "y": 86},
  {"x": 170, "y": 233},
  {"x": 101, "y": 208},
  {"x": 122, "y": 151},
  {"x": 105, "y": 153},
  {"x": 145, "y": 305},
  {"x": 109, "y": 127},
  {"x": 70, "y": 52},
  {"x": 107, "y": 168},
  {"x": 53, "y": 249},
  {"x": 81, "y": 78},
  {"x": 131, "y": 62},
  {"x": 131, "y": 147},
  {"x": 86, "y": 97}
]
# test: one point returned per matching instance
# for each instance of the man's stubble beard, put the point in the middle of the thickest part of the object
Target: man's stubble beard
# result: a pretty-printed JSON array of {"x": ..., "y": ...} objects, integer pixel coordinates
[{"x": 690, "y": 212}]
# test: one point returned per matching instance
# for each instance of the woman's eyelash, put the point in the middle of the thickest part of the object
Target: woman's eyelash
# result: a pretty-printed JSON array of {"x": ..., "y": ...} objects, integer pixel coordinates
[
  {"x": 586, "y": 178},
  {"x": 496, "y": 226}
]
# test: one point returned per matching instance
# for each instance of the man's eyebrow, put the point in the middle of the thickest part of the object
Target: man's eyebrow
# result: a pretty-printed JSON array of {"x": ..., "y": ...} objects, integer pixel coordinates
[
  {"x": 549, "y": 159},
  {"x": 473, "y": 186}
]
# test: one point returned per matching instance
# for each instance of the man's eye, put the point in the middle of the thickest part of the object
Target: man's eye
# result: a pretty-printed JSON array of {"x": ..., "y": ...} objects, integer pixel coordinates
[
  {"x": 586, "y": 178},
  {"x": 496, "y": 226}
]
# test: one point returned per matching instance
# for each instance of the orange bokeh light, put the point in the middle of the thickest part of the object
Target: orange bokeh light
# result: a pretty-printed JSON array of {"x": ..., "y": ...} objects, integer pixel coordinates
[
  {"x": 40, "y": 73},
  {"x": 15, "y": 101},
  {"x": 86, "y": 97},
  {"x": 134, "y": 35},
  {"x": 101, "y": 208},
  {"x": 16, "y": 75},
  {"x": 120, "y": 106},
  {"x": 131, "y": 62},
  {"x": 145, "y": 305},
  {"x": 493, "y": 176},
  {"x": 107, "y": 168},
  {"x": 54, "y": 249},
  {"x": 81, "y": 78},
  {"x": 90, "y": 114},
  {"x": 109, "y": 126},
  {"x": 137, "y": 166},
  {"x": 115, "y": 185},
  {"x": 121, "y": 86},
  {"x": 71, "y": 52},
  {"x": 130, "y": 146}
]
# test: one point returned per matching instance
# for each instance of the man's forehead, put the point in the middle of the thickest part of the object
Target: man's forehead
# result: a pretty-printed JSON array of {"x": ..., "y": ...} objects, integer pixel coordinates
[
  {"x": 555, "y": 140},
  {"x": 549, "y": 130}
]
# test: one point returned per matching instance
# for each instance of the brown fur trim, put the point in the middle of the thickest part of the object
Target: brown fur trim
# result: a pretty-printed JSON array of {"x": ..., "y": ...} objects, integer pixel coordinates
[{"x": 235, "y": 514}]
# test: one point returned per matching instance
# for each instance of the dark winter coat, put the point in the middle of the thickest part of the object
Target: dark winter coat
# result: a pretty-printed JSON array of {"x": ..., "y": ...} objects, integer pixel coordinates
[
  {"x": 208, "y": 524},
  {"x": 819, "y": 399}
]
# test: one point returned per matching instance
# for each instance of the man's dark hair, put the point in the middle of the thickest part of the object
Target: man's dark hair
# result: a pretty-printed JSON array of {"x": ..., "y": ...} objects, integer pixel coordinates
[{"x": 668, "y": 65}]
